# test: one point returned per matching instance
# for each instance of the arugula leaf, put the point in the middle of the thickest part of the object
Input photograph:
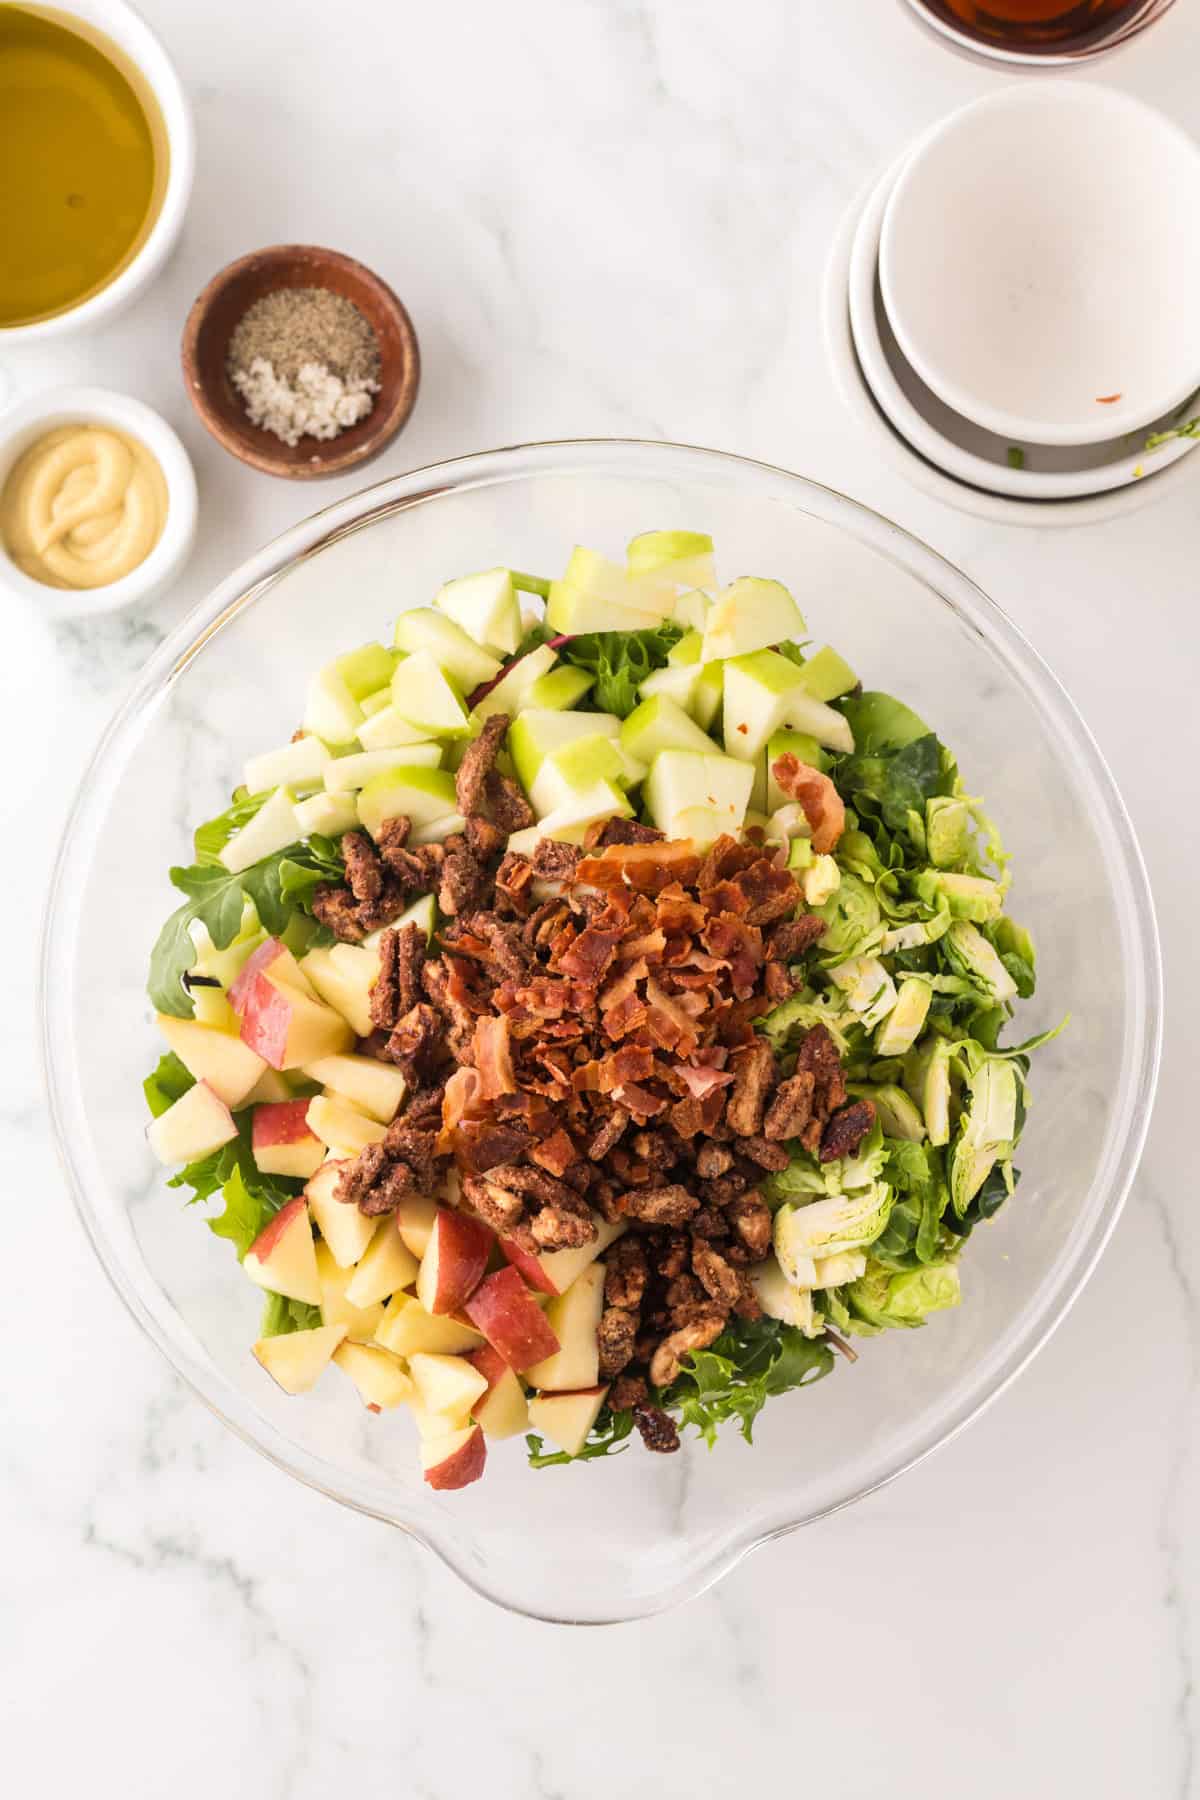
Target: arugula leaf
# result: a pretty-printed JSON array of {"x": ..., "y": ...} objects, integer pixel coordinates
[
  {"x": 166, "y": 1084},
  {"x": 606, "y": 1438},
  {"x": 620, "y": 661},
  {"x": 735, "y": 1378},
  {"x": 282, "y": 1316},
  {"x": 211, "y": 837},
  {"x": 217, "y": 899}
]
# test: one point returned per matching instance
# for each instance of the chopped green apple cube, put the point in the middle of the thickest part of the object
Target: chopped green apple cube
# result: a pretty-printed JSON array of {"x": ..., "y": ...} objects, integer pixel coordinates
[
  {"x": 579, "y": 765},
  {"x": 346, "y": 773},
  {"x": 298, "y": 765},
  {"x": 587, "y": 572},
  {"x": 660, "y": 723},
  {"x": 421, "y": 794},
  {"x": 827, "y": 675},
  {"x": 366, "y": 669},
  {"x": 763, "y": 694},
  {"x": 561, "y": 688},
  {"x": 687, "y": 793},
  {"x": 384, "y": 729},
  {"x": 438, "y": 830},
  {"x": 750, "y": 615},
  {"x": 535, "y": 733},
  {"x": 373, "y": 703},
  {"x": 486, "y": 607},
  {"x": 424, "y": 628},
  {"x": 511, "y": 692},
  {"x": 572, "y": 611},
  {"x": 603, "y": 800},
  {"x": 332, "y": 712},
  {"x": 692, "y": 609},
  {"x": 686, "y": 653},
  {"x": 684, "y": 557},
  {"x": 328, "y": 814},
  {"x": 425, "y": 695},
  {"x": 272, "y": 828}
]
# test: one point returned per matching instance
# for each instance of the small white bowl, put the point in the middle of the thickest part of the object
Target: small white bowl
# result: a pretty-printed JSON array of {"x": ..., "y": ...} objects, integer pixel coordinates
[
  {"x": 31, "y": 419},
  {"x": 963, "y": 449},
  {"x": 1039, "y": 264},
  {"x": 130, "y": 33},
  {"x": 882, "y": 440}
]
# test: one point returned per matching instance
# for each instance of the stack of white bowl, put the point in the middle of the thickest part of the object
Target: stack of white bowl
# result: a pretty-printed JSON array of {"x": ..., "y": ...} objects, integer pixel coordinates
[{"x": 1011, "y": 307}]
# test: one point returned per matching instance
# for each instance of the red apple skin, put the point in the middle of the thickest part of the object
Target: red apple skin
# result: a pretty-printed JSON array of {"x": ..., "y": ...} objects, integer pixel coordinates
[
  {"x": 253, "y": 967},
  {"x": 491, "y": 1366},
  {"x": 529, "y": 1266},
  {"x": 280, "y": 1122},
  {"x": 459, "y": 1249},
  {"x": 271, "y": 1233},
  {"x": 512, "y": 1322},
  {"x": 266, "y": 1019},
  {"x": 464, "y": 1467}
]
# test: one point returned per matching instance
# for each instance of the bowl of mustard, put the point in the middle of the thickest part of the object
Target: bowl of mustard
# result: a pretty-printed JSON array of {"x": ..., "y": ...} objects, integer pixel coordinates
[{"x": 97, "y": 501}]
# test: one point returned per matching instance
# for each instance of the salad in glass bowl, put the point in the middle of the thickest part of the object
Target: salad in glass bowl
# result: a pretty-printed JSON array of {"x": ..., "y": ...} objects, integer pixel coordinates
[{"x": 594, "y": 1017}]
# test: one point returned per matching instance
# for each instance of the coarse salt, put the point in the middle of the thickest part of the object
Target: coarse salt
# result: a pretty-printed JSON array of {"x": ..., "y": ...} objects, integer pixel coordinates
[{"x": 317, "y": 404}]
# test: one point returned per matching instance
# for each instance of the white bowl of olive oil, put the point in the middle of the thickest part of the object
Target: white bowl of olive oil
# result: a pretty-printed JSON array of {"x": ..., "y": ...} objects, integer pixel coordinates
[{"x": 96, "y": 160}]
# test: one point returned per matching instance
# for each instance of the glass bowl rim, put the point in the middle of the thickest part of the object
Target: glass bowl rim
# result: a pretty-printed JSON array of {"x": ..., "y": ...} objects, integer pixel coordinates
[{"x": 253, "y": 578}]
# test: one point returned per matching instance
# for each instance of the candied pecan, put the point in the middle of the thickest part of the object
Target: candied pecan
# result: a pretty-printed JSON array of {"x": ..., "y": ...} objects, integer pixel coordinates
[
  {"x": 684, "y": 1293},
  {"x": 819, "y": 1054},
  {"x": 415, "y": 1041},
  {"x": 508, "y": 806},
  {"x": 709, "y": 1222},
  {"x": 793, "y": 938},
  {"x": 625, "y": 1273},
  {"x": 766, "y": 1154},
  {"x": 505, "y": 942},
  {"x": 416, "y": 1147},
  {"x": 626, "y": 1392},
  {"x": 462, "y": 882},
  {"x": 385, "y": 989},
  {"x": 724, "y": 1188},
  {"x": 337, "y": 909},
  {"x": 754, "y": 1072},
  {"x": 423, "y": 1107},
  {"x": 671, "y": 1253},
  {"x": 658, "y": 1429},
  {"x": 478, "y": 759},
  {"x": 750, "y": 1217},
  {"x": 394, "y": 834},
  {"x": 558, "y": 1228},
  {"x": 616, "y": 1335},
  {"x": 713, "y": 1160},
  {"x": 846, "y": 1130},
  {"x": 791, "y": 1108},
  {"x": 514, "y": 879},
  {"x": 358, "y": 1176},
  {"x": 655, "y": 1148},
  {"x": 671, "y": 1205},
  {"x": 553, "y": 861},
  {"x": 620, "y": 831},
  {"x": 398, "y": 1182},
  {"x": 537, "y": 1184},
  {"x": 721, "y": 1282},
  {"x": 435, "y": 979},
  {"x": 483, "y": 838},
  {"x": 364, "y": 873},
  {"x": 543, "y": 921},
  {"x": 778, "y": 983},
  {"x": 495, "y": 1205},
  {"x": 698, "y": 1334}
]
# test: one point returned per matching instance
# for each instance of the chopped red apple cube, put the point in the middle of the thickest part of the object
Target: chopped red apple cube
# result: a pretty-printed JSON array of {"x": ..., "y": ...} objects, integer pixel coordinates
[
  {"x": 511, "y": 1320},
  {"x": 446, "y": 1385},
  {"x": 386, "y": 1267},
  {"x": 553, "y": 1271},
  {"x": 274, "y": 960},
  {"x": 454, "y": 1461},
  {"x": 361, "y": 1322},
  {"x": 344, "y": 1228},
  {"x": 197, "y": 1124},
  {"x": 342, "y": 1126},
  {"x": 287, "y": 1028},
  {"x": 282, "y": 1142},
  {"x": 566, "y": 1419},
  {"x": 282, "y": 1259},
  {"x": 296, "y": 1359},
  {"x": 230, "y": 1067},
  {"x": 574, "y": 1317},
  {"x": 453, "y": 1265},
  {"x": 379, "y": 1378},
  {"x": 373, "y": 1087},
  {"x": 502, "y": 1410},
  {"x": 407, "y": 1328}
]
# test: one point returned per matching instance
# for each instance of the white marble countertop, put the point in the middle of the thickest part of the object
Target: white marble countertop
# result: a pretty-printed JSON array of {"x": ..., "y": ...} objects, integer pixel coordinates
[{"x": 608, "y": 217}]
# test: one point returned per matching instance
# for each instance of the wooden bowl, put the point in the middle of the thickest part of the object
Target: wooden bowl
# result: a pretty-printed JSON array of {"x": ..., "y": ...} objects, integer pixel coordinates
[{"x": 211, "y": 324}]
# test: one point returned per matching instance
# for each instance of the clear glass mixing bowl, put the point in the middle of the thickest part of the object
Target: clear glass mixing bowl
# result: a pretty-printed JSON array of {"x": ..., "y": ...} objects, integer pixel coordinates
[{"x": 638, "y": 1533}]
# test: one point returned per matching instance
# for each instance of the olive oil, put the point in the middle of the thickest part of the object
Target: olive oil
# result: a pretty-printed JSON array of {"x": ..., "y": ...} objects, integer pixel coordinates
[{"x": 82, "y": 163}]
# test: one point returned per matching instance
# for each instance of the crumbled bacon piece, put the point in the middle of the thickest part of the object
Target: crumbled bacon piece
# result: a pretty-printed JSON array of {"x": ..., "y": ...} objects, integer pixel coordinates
[{"x": 818, "y": 798}]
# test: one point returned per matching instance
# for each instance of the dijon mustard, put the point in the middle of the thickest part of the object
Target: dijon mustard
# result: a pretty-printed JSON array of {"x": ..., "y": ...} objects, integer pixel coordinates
[{"x": 83, "y": 507}]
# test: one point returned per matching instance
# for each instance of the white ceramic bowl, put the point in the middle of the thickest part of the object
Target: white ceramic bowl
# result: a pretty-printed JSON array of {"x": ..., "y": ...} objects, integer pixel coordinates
[
  {"x": 130, "y": 33},
  {"x": 1039, "y": 263},
  {"x": 885, "y": 441},
  {"x": 31, "y": 419},
  {"x": 963, "y": 449}
]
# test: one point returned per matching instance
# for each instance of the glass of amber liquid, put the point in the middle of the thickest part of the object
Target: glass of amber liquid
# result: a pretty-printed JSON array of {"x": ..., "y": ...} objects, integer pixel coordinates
[{"x": 1038, "y": 33}]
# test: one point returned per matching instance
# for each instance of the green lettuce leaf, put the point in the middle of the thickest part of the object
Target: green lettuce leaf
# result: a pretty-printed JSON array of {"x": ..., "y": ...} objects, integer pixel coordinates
[
  {"x": 738, "y": 1374},
  {"x": 897, "y": 783},
  {"x": 166, "y": 1084},
  {"x": 880, "y": 722},
  {"x": 282, "y": 1316},
  {"x": 620, "y": 662}
]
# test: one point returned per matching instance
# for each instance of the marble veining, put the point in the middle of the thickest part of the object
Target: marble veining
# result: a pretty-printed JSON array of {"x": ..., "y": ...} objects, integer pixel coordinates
[{"x": 605, "y": 218}]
